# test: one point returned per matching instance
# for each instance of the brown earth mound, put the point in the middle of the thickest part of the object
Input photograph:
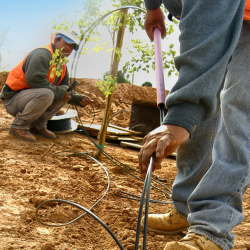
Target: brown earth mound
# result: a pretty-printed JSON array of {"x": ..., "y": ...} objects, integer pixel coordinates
[{"x": 122, "y": 100}]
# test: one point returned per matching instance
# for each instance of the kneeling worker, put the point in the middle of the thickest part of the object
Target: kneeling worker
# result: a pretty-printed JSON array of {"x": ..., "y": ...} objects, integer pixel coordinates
[{"x": 33, "y": 93}]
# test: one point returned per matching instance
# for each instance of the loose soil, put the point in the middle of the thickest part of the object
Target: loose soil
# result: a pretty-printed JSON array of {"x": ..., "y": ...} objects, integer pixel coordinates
[{"x": 31, "y": 173}]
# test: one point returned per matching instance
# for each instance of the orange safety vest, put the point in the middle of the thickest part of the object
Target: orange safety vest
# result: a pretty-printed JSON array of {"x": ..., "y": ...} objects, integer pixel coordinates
[
  {"x": 247, "y": 10},
  {"x": 16, "y": 78}
]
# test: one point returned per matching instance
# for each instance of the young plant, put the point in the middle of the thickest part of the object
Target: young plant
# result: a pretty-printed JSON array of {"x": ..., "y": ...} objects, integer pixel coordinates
[
  {"x": 107, "y": 85},
  {"x": 57, "y": 62}
]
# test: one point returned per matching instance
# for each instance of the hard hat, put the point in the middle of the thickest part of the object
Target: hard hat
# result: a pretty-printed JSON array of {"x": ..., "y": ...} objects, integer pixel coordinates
[{"x": 70, "y": 36}]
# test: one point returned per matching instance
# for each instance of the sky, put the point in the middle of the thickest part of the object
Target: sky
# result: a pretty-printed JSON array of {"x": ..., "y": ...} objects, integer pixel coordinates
[{"x": 29, "y": 25}]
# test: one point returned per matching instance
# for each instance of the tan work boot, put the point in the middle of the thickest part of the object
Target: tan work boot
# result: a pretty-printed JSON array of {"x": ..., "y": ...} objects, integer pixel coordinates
[
  {"x": 166, "y": 224},
  {"x": 192, "y": 241},
  {"x": 44, "y": 132},
  {"x": 23, "y": 134}
]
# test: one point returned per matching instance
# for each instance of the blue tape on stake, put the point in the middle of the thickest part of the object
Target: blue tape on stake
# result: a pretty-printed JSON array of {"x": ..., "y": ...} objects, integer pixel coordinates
[{"x": 101, "y": 146}]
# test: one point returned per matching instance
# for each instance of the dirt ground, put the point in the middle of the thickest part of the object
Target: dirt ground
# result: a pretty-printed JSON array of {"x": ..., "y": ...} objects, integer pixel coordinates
[{"x": 34, "y": 172}]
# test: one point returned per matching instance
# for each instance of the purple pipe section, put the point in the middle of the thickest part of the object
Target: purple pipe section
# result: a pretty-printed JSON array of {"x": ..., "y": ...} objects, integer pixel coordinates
[{"x": 160, "y": 86}]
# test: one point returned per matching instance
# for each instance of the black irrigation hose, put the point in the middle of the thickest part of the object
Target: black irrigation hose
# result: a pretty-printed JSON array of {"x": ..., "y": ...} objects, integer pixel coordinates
[
  {"x": 76, "y": 57},
  {"x": 78, "y": 53},
  {"x": 86, "y": 211},
  {"x": 79, "y": 119},
  {"x": 138, "y": 198},
  {"x": 65, "y": 224},
  {"x": 72, "y": 153},
  {"x": 147, "y": 182},
  {"x": 145, "y": 187},
  {"x": 137, "y": 125},
  {"x": 161, "y": 112},
  {"x": 112, "y": 159}
]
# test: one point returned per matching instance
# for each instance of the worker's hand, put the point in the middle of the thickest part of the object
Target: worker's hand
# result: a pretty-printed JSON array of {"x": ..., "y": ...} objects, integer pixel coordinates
[
  {"x": 162, "y": 141},
  {"x": 155, "y": 19},
  {"x": 67, "y": 97},
  {"x": 86, "y": 101}
]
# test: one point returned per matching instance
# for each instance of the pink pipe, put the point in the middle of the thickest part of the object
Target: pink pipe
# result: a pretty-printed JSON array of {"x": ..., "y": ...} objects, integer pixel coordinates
[{"x": 160, "y": 86}]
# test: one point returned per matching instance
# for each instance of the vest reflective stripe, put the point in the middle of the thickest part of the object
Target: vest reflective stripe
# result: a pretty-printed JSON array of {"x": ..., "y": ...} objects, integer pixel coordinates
[
  {"x": 247, "y": 10},
  {"x": 16, "y": 78}
]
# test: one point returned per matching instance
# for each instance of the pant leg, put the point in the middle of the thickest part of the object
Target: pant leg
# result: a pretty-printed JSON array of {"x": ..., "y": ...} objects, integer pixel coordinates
[
  {"x": 52, "y": 110},
  {"x": 33, "y": 107},
  {"x": 28, "y": 105},
  {"x": 216, "y": 203},
  {"x": 194, "y": 158}
]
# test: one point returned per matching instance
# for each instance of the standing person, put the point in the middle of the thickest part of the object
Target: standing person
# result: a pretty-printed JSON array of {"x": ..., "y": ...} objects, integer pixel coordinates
[
  {"x": 34, "y": 93},
  {"x": 207, "y": 121}
]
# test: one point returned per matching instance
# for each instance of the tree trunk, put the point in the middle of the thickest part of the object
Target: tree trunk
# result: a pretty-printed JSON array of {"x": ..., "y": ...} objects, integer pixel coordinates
[{"x": 114, "y": 68}]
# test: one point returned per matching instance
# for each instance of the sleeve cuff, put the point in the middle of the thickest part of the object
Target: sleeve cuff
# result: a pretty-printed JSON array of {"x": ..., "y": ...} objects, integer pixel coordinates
[
  {"x": 184, "y": 115},
  {"x": 151, "y": 5}
]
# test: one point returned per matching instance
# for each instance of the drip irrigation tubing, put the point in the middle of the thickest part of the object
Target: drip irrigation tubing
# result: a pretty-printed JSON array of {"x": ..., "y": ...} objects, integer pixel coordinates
[
  {"x": 78, "y": 117},
  {"x": 77, "y": 55},
  {"x": 146, "y": 187},
  {"x": 137, "y": 125},
  {"x": 86, "y": 211},
  {"x": 64, "y": 201},
  {"x": 112, "y": 159},
  {"x": 72, "y": 153},
  {"x": 139, "y": 198},
  {"x": 147, "y": 182}
]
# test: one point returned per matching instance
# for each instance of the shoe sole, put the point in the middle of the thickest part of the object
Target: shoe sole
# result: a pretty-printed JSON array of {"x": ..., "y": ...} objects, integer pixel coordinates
[
  {"x": 162, "y": 232},
  {"x": 20, "y": 137}
]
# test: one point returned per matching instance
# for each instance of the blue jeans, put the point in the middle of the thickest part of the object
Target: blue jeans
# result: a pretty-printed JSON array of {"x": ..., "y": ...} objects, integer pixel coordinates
[{"x": 214, "y": 166}]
